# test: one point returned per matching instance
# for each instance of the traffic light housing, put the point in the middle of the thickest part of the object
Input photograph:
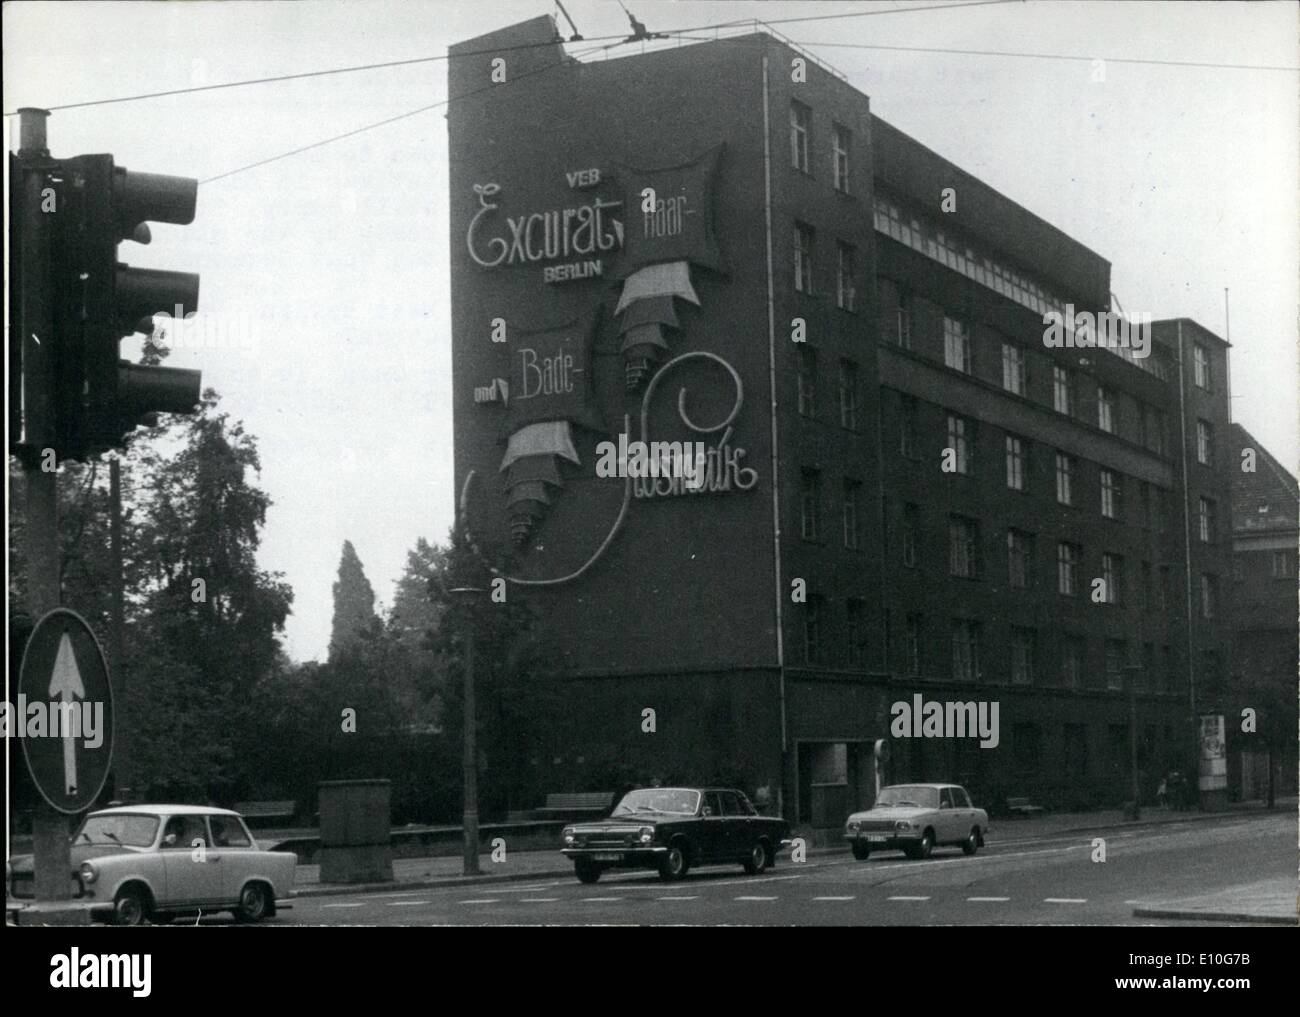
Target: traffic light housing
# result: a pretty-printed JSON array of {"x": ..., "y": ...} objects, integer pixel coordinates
[{"x": 98, "y": 398}]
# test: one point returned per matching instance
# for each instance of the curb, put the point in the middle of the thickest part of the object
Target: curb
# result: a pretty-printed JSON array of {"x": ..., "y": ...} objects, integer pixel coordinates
[
  {"x": 340, "y": 889},
  {"x": 1214, "y": 916}
]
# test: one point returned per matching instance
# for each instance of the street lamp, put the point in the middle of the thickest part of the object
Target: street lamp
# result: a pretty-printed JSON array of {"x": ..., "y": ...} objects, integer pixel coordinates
[{"x": 468, "y": 595}]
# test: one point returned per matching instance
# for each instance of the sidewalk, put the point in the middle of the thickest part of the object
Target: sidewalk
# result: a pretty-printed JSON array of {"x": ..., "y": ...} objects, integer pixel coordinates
[
  {"x": 446, "y": 870},
  {"x": 1268, "y": 902}
]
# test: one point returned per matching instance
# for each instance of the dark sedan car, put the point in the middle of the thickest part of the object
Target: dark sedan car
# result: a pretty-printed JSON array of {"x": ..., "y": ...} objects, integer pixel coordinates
[{"x": 672, "y": 829}]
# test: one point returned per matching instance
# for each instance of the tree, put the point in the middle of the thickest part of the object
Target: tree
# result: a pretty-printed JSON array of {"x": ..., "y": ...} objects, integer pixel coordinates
[{"x": 354, "y": 603}]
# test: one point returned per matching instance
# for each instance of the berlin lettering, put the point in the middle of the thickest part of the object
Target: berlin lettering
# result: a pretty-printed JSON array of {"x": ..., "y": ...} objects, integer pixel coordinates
[
  {"x": 546, "y": 376},
  {"x": 580, "y": 231}
]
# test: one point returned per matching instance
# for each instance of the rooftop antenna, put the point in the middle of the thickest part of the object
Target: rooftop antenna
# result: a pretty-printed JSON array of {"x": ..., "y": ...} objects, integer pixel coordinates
[
  {"x": 575, "y": 37},
  {"x": 639, "y": 31}
]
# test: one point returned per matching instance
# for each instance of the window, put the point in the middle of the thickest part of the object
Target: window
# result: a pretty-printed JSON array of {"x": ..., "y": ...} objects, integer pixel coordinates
[
  {"x": 1204, "y": 443},
  {"x": 841, "y": 146},
  {"x": 800, "y": 124},
  {"x": 848, "y": 395},
  {"x": 1013, "y": 368},
  {"x": 804, "y": 237},
  {"x": 1209, "y": 594},
  {"x": 895, "y": 321},
  {"x": 1064, "y": 479},
  {"x": 957, "y": 441},
  {"x": 227, "y": 831},
  {"x": 1162, "y": 589},
  {"x": 185, "y": 833},
  {"x": 1105, "y": 410},
  {"x": 1206, "y": 519},
  {"x": 1114, "y": 664},
  {"x": 1201, "y": 366},
  {"x": 1071, "y": 661},
  {"x": 907, "y": 427},
  {"x": 1022, "y": 654},
  {"x": 852, "y": 512},
  {"x": 912, "y": 644},
  {"x": 845, "y": 292},
  {"x": 855, "y": 630},
  {"x": 1281, "y": 565},
  {"x": 963, "y": 547},
  {"x": 807, "y": 382},
  {"x": 965, "y": 650},
  {"x": 1145, "y": 679},
  {"x": 810, "y": 503},
  {"x": 1067, "y": 568},
  {"x": 956, "y": 345},
  {"x": 812, "y": 629},
  {"x": 1112, "y": 577},
  {"x": 1015, "y": 463},
  {"x": 1062, "y": 391},
  {"x": 911, "y": 514},
  {"x": 1112, "y": 493},
  {"x": 1019, "y": 559},
  {"x": 1153, "y": 429}
]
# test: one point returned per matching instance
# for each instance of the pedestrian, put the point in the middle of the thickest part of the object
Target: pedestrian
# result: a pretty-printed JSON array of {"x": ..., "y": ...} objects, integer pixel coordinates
[{"x": 1162, "y": 793}]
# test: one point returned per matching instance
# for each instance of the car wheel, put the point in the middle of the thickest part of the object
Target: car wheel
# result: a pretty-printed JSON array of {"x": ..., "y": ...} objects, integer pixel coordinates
[
  {"x": 130, "y": 907},
  {"x": 586, "y": 870},
  {"x": 972, "y": 843},
  {"x": 757, "y": 860},
  {"x": 861, "y": 851},
  {"x": 926, "y": 846},
  {"x": 674, "y": 864},
  {"x": 253, "y": 903}
]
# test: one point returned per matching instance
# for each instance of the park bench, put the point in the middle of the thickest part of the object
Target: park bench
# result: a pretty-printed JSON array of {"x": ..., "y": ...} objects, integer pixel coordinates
[
  {"x": 597, "y": 803},
  {"x": 252, "y": 811},
  {"x": 1022, "y": 807}
]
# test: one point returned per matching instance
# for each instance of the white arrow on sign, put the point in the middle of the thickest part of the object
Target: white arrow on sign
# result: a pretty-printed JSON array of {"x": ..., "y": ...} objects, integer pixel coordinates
[{"x": 64, "y": 685}]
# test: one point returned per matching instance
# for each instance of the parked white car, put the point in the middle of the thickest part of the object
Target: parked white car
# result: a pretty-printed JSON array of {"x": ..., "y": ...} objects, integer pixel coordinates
[
  {"x": 917, "y": 818},
  {"x": 138, "y": 863}
]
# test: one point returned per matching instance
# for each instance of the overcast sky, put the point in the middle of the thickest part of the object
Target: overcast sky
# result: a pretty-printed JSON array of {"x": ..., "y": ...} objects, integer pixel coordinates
[{"x": 326, "y": 272}]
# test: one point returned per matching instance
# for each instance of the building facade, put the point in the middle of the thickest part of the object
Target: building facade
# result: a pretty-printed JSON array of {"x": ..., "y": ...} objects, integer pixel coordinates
[{"x": 909, "y": 494}]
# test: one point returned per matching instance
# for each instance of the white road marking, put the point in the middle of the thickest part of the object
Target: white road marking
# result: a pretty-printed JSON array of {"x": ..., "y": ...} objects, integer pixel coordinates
[
  {"x": 677, "y": 898},
  {"x": 538, "y": 900},
  {"x": 486, "y": 900},
  {"x": 354, "y": 905},
  {"x": 407, "y": 903},
  {"x": 1065, "y": 900},
  {"x": 400, "y": 893},
  {"x": 907, "y": 898},
  {"x": 989, "y": 899},
  {"x": 834, "y": 898},
  {"x": 754, "y": 898},
  {"x": 600, "y": 899}
]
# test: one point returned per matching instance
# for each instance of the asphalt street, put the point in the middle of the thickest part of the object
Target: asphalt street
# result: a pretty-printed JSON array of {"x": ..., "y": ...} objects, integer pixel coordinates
[{"x": 1050, "y": 880}]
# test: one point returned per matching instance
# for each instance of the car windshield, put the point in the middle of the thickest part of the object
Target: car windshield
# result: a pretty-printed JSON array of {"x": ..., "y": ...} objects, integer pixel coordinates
[
  {"x": 677, "y": 801},
  {"x": 909, "y": 794},
  {"x": 126, "y": 831}
]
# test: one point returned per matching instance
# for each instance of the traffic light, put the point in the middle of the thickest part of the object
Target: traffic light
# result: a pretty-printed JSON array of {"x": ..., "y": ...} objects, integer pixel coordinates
[{"x": 97, "y": 301}]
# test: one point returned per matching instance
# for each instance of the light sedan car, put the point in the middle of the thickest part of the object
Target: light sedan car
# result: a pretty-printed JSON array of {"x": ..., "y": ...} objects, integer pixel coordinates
[
  {"x": 138, "y": 863},
  {"x": 917, "y": 818}
]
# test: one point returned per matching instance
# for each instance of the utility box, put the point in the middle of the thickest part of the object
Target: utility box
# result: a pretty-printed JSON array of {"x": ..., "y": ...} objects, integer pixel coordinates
[{"x": 355, "y": 831}]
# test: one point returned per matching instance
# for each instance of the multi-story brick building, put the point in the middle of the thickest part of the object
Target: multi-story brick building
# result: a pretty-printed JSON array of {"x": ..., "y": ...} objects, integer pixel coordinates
[
  {"x": 914, "y": 492},
  {"x": 1265, "y": 533}
]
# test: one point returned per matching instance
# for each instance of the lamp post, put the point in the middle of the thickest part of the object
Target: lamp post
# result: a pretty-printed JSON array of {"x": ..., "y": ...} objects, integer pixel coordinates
[{"x": 468, "y": 595}]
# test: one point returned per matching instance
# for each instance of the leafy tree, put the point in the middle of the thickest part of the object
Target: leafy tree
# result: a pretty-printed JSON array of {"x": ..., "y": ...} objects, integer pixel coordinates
[{"x": 354, "y": 603}]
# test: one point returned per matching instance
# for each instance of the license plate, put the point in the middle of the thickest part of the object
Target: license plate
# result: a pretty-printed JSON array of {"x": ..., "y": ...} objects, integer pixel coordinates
[
  {"x": 876, "y": 838},
  {"x": 607, "y": 856}
]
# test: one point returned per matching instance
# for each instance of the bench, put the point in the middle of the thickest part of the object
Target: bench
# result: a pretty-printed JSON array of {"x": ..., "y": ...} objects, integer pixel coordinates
[
  {"x": 1022, "y": 807},
  {"x": 579, "y": 802},
  {"x": 266, "y": 810}
]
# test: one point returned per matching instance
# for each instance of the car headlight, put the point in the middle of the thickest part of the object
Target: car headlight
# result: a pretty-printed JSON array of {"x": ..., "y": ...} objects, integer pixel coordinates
[
  {"x": 567, "y": 835},
  {"x": 902, "y": 824},
  {"x": 854, "y": 826},
  {"x": 88, "y": 873},
  {"x": 647, "y": 834}
]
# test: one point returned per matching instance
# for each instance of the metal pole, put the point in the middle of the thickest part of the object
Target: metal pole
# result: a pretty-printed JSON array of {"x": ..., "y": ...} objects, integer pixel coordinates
[
  {"x": 1136, "y": 812},
  {"x": 470, "y": 819},
  {"x": 52, "y": 855},
  {"x": 123, "y": 781}
]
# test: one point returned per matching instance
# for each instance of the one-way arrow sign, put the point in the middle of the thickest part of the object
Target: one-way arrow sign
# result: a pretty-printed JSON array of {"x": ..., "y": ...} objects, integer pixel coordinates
[{"x": 64, "y": 712}]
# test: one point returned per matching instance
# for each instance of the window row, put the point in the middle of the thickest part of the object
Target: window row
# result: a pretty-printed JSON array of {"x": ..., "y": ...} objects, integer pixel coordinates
[
  {"x": 802, "y": 146},
  {"x": 805, "y": 258}
]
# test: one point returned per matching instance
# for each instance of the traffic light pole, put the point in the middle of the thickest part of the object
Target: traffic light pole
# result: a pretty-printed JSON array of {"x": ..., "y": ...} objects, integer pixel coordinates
[{"x": 52, "y": 855}]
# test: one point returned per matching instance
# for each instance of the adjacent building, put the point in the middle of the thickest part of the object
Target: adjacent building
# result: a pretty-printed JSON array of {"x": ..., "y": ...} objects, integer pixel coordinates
[{"x": 910, "y": 493}]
